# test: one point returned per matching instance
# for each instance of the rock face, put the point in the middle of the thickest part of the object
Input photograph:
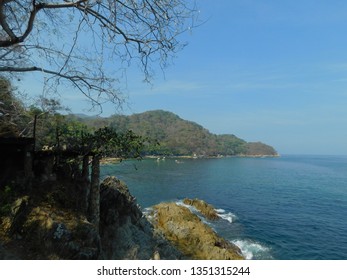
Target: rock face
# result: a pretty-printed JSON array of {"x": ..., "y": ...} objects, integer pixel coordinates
[
  {"x": 125, "y": 232},
  {"x": 46, "y": 226},
  {"x": 190, "y": 235}
]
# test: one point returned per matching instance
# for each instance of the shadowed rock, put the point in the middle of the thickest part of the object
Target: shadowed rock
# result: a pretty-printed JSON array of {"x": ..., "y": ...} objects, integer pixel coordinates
[{"x": 125, "y": 232}]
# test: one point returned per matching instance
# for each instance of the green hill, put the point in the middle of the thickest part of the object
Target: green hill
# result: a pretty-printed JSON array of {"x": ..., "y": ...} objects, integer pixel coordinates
[{"x": 181, "y": 137}]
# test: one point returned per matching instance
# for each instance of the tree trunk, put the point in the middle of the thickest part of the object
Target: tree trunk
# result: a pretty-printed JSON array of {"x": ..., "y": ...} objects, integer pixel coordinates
[
  {"x": 85, "y": 168},
  {"x": 95, "y": 192},
  {"x": 85, "y": 185}
]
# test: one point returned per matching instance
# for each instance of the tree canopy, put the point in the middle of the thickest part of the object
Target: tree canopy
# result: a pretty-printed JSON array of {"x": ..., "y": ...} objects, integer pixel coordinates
[{"x": 86, "y": 43}]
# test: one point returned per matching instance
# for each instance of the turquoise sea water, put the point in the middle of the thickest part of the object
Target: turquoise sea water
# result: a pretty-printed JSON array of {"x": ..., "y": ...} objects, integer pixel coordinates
[{"x": 292, "y": 207}]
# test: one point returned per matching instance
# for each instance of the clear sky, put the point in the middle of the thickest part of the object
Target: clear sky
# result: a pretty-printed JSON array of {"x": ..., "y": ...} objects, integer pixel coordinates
[{"x": 264, "y": 70}]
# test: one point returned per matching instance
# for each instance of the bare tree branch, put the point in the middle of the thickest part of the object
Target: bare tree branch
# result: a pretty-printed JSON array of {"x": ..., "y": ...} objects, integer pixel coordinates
[{"x": 50, "y": 37}]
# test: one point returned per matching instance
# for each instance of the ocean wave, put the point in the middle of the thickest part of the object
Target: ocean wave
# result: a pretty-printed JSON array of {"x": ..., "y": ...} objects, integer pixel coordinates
[
  {"x": 196, "y": 212},
  {"x": 253, "y": 250},
  {"x": 190, "y": 207},
  {"x": 230, "y": 217}
]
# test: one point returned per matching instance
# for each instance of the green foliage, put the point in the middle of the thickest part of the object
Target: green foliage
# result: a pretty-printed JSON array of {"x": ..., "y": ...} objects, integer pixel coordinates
[
  {"x": 6, "y": 197},
  {"x": 7, "y": 192},
  {"x": 108, "y": 142},
  {"x": 176, "y": 136},
  {"x": 230, "y": 145},
  {"x": 258, "y": 148},
  {"x": 58, "y": 132}
]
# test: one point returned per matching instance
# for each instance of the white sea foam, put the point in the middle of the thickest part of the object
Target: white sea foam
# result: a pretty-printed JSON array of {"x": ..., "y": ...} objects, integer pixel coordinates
[
  {"x": 191, "y": 208},
  {"x": 230, "y": 217},
  {"x": 148, "y": 212},
  {"x": 195, "y": 211},
  {"x": 252, "y": 250}
]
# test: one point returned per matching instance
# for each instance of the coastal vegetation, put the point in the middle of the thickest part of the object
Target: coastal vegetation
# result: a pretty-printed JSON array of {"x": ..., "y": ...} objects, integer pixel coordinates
[
  {"x": 162, "y": 133},
  {"x": 174, "y": 136}
]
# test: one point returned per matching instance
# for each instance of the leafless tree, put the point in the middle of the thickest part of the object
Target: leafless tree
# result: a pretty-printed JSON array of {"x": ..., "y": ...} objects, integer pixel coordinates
[{"x": 86, "y": 43}]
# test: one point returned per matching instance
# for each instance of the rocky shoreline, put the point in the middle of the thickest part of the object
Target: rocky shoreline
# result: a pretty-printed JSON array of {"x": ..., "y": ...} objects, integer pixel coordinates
[
  {"x": 38, "y": 227},
  {"x": 189, "y": 234}
]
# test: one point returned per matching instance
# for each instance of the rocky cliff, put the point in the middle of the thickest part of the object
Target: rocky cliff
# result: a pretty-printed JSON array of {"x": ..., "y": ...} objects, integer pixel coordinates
[
  {"x": 46, "y": 224},
  {"x": 124, "y": 230}
]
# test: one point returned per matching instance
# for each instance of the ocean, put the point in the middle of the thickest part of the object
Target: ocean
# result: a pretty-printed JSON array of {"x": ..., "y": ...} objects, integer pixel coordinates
[{"x": 290, "y": 207}]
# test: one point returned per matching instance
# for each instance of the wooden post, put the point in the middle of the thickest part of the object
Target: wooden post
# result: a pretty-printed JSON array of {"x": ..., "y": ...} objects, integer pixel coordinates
[
  {"x": 28, "y": 165},
  {"x": 34, "y": 132}
]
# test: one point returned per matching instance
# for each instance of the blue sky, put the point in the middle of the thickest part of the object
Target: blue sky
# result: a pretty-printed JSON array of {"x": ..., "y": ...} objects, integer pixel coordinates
[{"x": 264, "y": 70}]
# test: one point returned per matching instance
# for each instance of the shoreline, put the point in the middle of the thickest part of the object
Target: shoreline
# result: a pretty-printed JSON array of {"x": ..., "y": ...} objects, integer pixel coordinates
[
  {"x": 113, "y": 160},
  {"x": 210, "y": 157}
]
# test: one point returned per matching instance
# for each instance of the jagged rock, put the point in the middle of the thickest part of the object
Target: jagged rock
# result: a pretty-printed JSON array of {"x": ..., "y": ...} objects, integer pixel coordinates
[
  {"x": 61, "y": 235},
  {"x": 190, "y": 235},
  {"x": 41, "y": 227},
  {"x": 41, "y": 231},
  {"x": 44, "y": 228},
  {"x": 125, "y": 232},
  {"x": 206, "y": 209}
]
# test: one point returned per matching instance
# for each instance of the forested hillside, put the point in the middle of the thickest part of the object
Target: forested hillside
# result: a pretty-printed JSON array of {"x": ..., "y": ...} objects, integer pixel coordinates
[
  {"x": 165, "y": 133},
  {"x": 179, "y": 137}
]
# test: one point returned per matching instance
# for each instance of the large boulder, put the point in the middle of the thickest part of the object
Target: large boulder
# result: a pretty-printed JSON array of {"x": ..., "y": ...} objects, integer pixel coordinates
[{"x": 190, "y": 235}]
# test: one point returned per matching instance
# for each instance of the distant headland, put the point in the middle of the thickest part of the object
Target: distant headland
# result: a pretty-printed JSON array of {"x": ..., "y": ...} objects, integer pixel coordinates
[{"x": 171, "y": 135}]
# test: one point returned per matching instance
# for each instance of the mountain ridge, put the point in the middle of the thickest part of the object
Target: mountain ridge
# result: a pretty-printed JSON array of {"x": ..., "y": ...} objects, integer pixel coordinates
[{"x": 179, "y": 137}]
